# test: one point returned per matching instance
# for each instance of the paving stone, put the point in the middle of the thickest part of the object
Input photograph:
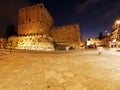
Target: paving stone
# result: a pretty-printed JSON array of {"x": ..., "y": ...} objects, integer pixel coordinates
[{"x": 59, "y": 71}]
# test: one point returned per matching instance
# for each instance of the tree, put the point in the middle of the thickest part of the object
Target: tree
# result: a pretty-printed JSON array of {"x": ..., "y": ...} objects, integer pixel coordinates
[
  {"x": 10, "y": 31},
  {"x": 100, "y": 36}
]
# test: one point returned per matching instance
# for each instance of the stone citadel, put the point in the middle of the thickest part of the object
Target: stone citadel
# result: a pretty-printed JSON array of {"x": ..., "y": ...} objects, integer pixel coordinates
[{"x": 36, "y": 31}]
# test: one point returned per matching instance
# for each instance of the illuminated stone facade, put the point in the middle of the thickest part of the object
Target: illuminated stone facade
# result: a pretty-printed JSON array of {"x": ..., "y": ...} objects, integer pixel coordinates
[
  {"x": 12, "y": 42},
  {"x": 36, "y": 30},
  {"x": 116, "y": 29},
  {"x": 34, "y": 24},
  {"x": 35, "y": 42},
  {"x": 113, "y": 39},
  {"x": 68, "y": 35},
  {"x": 3, "y": 42},
  {"x": 34, "y": 20}
]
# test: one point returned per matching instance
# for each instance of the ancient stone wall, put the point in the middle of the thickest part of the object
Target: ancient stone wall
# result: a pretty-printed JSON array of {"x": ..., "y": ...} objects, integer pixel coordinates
[
  {"x": 33, "y": 28},
  {"x": 68, "y": 34},
  {"x": 12, "y": 42},
  {"x": 34, "y": 20},
  {"x": 3, "y": 42},
  {"x": 35, "y": 42}
]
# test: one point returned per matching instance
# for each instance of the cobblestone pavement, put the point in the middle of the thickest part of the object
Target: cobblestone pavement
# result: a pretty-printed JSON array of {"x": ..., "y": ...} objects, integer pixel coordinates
[{"x": 71, "y": 70}]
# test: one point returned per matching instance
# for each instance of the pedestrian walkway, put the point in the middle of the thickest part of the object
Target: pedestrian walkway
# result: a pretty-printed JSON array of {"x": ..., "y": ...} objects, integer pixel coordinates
[{"x": 59, "y": 71}]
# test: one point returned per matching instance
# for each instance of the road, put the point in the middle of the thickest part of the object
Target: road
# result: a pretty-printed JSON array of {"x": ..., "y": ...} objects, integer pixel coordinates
[{"x": 64, "y": 70}]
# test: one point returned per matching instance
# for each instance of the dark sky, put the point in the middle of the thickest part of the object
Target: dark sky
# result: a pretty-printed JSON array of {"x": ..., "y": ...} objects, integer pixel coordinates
[{"x": 94, "y": 16}]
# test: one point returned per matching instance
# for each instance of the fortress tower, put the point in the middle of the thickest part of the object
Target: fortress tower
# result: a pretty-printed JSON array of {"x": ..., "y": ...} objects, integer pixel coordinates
[
  {"x": 34, "y": 23},
  {"x": 34, "y": 19}
]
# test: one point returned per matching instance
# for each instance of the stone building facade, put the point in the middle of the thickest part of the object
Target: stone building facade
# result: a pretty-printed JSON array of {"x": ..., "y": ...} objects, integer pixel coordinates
[
  {"x": 113, "y": 39},
  {"x": 68, "y": 35},
  {"x": 3, "y": 42},
  {"x": 116, "y": 29},
  {"x": 115, "y": 36},
  {"x": 36, "y": 30},
  {"x": 34, "y": 19}
]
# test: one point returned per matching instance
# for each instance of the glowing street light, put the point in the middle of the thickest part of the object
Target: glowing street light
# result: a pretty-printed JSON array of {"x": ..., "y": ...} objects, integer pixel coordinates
[
  {"x": 117, "y": 22},
  {"x": 106, "y": 32}
]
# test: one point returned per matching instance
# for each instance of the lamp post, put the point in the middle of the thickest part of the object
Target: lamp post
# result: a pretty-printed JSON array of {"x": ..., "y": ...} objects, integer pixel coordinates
[{"x": 106, "y": 32}]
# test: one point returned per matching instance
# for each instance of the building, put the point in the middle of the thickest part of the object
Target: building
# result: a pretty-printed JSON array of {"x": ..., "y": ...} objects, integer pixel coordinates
[
  {"x": 115, "y": 37},
  {"x": 68, "y": 35},
  {"x": 3, "y": 42},
  {"x": 36, "y": 31},
  {"x": 116, "y": 29},
  {"x": 93, "y": 42},
  {"x": 35, "y": 20}
]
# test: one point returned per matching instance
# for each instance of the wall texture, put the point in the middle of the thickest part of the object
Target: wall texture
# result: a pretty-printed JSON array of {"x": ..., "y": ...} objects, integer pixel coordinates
[
  {"x": 34, "y": 20},
  {"x": 67, "y": 34}
]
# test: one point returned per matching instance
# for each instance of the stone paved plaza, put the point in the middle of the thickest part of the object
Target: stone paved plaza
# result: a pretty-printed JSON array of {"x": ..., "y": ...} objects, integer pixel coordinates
[{"x": 65, "y": 70}]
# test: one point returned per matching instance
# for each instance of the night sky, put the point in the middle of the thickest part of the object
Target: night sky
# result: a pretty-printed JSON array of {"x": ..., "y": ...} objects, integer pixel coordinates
[{"x": 94, "y": 16}]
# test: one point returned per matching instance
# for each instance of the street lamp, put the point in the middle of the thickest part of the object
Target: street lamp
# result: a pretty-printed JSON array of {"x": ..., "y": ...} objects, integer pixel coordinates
[
  {"x": 117, "y": 21},
  {"x": 106, "y": 32}
]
